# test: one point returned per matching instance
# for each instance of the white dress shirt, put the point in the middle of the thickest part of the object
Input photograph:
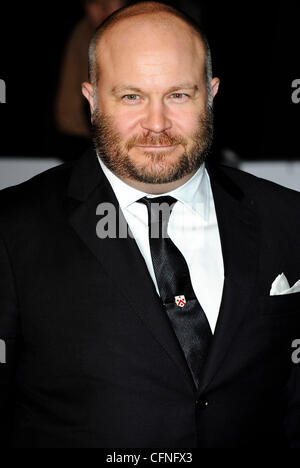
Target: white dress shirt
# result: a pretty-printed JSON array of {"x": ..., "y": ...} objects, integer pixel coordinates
[{"x": 192, "y": 227}]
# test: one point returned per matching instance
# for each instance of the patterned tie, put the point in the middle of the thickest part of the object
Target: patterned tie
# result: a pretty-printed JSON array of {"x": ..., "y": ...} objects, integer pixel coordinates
[{"x": 176, "y": 291}]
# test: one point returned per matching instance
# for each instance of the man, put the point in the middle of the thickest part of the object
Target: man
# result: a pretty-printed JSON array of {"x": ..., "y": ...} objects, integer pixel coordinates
[{"x": 139, "y": 340}]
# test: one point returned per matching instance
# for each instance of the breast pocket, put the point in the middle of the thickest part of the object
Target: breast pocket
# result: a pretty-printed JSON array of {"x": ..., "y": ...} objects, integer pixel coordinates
[{"x": 280, "y": 305}]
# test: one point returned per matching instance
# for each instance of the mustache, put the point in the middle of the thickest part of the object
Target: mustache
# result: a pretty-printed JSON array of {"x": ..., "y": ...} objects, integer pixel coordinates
[{"x": 164, "y": 139}]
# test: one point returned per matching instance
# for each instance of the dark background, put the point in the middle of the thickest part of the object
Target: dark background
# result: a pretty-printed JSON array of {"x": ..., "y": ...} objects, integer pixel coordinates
[{"x": 255, "y": 49}]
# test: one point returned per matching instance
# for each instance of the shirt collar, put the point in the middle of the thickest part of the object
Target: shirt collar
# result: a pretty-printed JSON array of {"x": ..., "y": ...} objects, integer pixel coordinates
[{"x": 194, "y": 193}]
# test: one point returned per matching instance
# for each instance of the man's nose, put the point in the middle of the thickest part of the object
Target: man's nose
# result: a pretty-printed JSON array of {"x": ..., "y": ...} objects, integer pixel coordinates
[{"x": 155, "y": 118}]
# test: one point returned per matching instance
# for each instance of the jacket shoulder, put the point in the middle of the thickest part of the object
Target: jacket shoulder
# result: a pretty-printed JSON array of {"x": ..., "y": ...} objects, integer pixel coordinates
[
  {"x": 41, "y": 191},
  {"x": 51, "y": 178},
  {"x": 277, "y": 206},
  {"x": 254, "y": 185}
]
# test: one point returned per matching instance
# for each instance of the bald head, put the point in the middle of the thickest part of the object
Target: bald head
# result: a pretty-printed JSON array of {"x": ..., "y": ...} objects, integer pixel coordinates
[{"x": 147, "y": 19}]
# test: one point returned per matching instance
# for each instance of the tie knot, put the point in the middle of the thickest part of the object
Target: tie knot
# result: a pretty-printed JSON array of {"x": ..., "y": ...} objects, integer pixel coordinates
[
  {"x": 159, "y": 211},
  {"x": 158, "y": 200}
]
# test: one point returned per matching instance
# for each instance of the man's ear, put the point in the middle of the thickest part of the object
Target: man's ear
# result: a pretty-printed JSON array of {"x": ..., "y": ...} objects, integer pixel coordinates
[
  {"x": 215, "y": 82},
  {"x": 88, "y": 92}
]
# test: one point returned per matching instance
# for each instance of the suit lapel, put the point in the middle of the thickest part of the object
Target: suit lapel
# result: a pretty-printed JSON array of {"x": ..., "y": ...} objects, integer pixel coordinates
[
  {"x": 120, "y": 257},
  {"x": 239, "y": 228}
]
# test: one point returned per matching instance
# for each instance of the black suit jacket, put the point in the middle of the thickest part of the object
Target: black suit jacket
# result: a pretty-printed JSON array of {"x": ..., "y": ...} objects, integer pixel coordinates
[{"x": 91, "y": 359}]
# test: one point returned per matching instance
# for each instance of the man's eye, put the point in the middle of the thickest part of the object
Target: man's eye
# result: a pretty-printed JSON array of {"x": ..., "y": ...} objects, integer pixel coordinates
[
  {"x": 179, "y": 96},
  {"x": 131, "y": 97}
]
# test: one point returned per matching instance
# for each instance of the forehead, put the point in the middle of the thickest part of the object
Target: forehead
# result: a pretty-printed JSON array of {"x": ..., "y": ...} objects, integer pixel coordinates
[{"x": 151, "y": 49}]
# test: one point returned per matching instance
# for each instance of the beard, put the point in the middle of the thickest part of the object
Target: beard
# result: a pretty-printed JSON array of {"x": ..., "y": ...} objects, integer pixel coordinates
[{"x": 158, "y": 169}]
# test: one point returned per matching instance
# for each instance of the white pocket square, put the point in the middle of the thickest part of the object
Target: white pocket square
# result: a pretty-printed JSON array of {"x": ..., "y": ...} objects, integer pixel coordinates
[{"x": 281, "y": 286}]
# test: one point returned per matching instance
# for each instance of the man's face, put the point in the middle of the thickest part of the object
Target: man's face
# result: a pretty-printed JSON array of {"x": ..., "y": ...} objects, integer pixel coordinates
[{"x": 151, "y": 122}]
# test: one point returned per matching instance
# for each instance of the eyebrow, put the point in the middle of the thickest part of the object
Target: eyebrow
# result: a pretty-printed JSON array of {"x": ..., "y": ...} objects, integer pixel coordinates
[{"x": 123, "y": 88}]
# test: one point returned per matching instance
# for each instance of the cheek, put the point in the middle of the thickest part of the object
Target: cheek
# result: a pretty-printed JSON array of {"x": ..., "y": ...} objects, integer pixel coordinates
[
  {"x": 126, "y": 124},
  {"x": 185, "y": 122}
]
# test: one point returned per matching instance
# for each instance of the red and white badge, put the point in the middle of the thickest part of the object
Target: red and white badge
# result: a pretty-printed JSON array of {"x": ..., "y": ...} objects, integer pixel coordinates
[{"x": 180, "y": 301}]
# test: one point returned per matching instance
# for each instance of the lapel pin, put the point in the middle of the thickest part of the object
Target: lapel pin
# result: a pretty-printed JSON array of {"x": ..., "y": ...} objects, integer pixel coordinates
[{"x": 180, "y": 301}]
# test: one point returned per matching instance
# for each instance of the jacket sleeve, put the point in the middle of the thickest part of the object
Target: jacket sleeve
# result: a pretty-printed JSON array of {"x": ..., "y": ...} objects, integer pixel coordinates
[{"x": 9, "y": 340}]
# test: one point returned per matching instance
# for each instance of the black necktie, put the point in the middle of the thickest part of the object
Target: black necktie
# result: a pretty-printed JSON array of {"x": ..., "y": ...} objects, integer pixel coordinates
[{"x": 176, "y": 291}]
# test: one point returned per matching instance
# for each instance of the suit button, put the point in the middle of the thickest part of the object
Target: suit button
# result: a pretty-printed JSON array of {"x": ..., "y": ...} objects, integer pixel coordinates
[{"x": 202, "y": 404}]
